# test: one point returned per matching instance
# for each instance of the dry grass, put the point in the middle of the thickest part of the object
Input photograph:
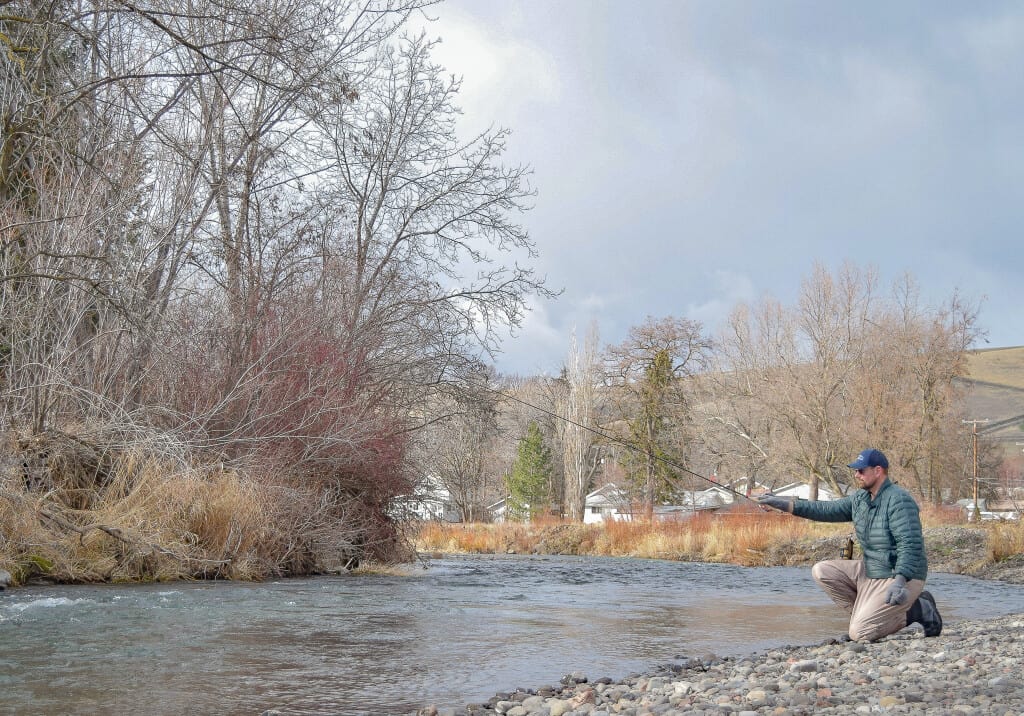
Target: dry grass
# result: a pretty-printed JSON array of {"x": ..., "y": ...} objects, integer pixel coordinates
[
  {"x": 152, "y": 519},
  {"x": 507, "y": 537},
  {"x": 1001, "y": 366},
  {"x": 1005, "y": 540},
  {"x": 944, "y": 516},
  {"x": 750, "y": 538},
  {"x": 385, "y": 570},
  {"x": 739, "y": 538}
]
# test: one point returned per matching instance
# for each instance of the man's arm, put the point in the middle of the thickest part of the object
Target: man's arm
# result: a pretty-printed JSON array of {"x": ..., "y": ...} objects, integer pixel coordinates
[{"x": 840, "y": 510}]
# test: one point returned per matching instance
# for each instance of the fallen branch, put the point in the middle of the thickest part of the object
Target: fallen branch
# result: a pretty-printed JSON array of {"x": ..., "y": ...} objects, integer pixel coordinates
[{"x": 118, "y": 534}]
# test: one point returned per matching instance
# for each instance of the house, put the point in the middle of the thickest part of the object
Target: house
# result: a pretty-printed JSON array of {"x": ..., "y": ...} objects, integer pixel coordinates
[
  {"x": 431, "y": 501},
  {"x": 498, "y": 510},
  {"x": 742, "y": 486},
  {"x": 802, "y": 491},
  {"x": 988, "y": 512},
  {"x": 606, "y": 503},
  {"x": 610, "y": 502}
]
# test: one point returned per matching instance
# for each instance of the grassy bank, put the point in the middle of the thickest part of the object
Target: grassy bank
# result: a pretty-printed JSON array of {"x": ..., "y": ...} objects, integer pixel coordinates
[
  {"x": 740, "y": 538},
  {"x": 149, "y": 512},
  {"x": 151, "y": 520},
  {"x": 750, "y": 538}
]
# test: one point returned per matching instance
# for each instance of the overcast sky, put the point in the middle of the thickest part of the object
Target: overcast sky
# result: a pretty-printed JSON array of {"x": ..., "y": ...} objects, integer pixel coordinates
[{"x": 691, "y": 155}]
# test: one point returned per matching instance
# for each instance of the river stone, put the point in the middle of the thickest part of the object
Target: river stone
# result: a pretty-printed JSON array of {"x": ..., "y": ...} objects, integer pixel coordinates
[
  {"x": 757, "y": 697},
  {"x": 656, "y": 683},
  {"x": 558, "y": 707},
  {"x": 532, "y": 702},
  {"x": 576, "y": 677},
  {"x": 5, "y": 579}
]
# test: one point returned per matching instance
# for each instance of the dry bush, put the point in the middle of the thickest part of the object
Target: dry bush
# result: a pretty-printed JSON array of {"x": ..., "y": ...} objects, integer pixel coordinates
[
  {"x": 1006, "y": 540},
  {"x": 156, "y": 516}
]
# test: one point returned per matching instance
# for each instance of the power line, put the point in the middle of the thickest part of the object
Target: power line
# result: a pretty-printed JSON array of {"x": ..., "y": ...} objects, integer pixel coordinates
[{"x": 621, "y": 441}]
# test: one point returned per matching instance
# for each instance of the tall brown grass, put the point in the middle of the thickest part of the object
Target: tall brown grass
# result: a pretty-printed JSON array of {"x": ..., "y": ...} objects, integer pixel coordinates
[
  {"x": 482, "y": 538},
  {"x": 739, "y": 538},
  {"x": 154, "y": 518},
  {"x": 1006, "y": 540}
]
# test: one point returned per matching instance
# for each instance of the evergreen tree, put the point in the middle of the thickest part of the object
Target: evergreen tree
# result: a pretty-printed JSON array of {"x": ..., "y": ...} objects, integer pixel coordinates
[
  {"x": 649, "y": 471},
  {"x": 528, "y": 482}
]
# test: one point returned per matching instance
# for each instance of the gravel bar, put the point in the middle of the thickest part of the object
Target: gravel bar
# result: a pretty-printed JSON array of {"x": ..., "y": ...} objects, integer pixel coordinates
[{"x": 974, "y": 667}]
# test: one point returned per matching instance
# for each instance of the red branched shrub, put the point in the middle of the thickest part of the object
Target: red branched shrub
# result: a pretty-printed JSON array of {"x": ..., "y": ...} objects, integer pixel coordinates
[{"x": 301, "y": 406}]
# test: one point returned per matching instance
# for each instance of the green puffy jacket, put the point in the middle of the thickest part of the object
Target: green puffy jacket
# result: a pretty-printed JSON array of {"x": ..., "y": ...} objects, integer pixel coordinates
[{"x": 888, "y": 529}]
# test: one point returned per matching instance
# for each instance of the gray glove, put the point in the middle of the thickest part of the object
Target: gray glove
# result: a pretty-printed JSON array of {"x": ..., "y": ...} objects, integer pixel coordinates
[
  {"x": 776, "y": 503},
  {"x": 897, "y": 593}
]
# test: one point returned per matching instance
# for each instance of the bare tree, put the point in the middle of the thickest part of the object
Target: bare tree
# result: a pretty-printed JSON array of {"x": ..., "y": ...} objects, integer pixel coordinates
[
  {"x": 648, "y": 373},
  {"x": 907, "y": 391},
  {"x": 738, "y": 430},
  {"x": 581, "y": 451},
  {"x": 804, "y": 388},
  {"x": 459, "y": 451},
  {"x": 251, "y": 224}
]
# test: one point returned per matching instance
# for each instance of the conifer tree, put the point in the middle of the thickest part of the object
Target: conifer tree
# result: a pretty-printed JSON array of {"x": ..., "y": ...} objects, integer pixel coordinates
[{"x": 529, "y": 480}]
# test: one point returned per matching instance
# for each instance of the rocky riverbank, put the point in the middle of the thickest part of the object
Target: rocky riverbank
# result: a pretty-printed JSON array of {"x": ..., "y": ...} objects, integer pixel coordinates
[
  {"x": 974, "y": 667},
  {"x": 951, "y": 549}
]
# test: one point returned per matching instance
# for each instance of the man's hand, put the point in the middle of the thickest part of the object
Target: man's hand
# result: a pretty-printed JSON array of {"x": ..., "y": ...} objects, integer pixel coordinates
[
  {"x": 783, "y": 504},
  {"x": 897, "y": 593}
]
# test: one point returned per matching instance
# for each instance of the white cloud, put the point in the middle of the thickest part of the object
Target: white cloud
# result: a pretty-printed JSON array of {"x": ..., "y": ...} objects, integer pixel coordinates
[{"x": 502, "y": 76}]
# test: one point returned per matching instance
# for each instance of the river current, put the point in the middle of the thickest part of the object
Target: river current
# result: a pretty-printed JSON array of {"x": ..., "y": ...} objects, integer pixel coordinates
[{"x": 449, "y": 634}]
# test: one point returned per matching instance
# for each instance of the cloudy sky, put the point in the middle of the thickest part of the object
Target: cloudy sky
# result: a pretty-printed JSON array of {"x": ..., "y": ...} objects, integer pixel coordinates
[{"x": 691, "y": 155}]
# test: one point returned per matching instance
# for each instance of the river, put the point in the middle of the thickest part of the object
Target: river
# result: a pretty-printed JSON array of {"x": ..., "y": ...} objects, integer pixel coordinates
[{"x": 450, "y": 634}]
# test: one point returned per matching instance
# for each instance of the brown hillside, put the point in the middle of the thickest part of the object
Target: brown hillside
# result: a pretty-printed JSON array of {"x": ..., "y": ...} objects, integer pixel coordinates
[
  {"x": 995, "y": 392},
  {"x": 999, "y": 366}
]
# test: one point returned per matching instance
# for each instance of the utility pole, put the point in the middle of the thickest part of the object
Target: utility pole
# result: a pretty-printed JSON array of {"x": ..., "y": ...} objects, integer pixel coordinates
[
  {"x": 1020, "y": 483},
  {"x": 974, "y": 434}
]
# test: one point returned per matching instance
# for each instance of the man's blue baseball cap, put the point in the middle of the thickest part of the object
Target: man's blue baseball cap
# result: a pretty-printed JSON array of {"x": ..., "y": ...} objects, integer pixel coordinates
[{"x": 870, "y": 458}]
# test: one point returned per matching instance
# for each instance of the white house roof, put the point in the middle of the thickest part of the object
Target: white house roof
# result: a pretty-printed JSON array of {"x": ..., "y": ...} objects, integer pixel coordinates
[
  {"x": 607, "y": 495},
  {"x": 606, "y": 489},
  {"x": 803, "y": 491},
  {"x": 740, "y": 485}
]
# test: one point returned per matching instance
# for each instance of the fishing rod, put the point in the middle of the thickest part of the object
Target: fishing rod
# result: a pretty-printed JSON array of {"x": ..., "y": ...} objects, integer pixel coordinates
[{"x": 621, "y": 441}]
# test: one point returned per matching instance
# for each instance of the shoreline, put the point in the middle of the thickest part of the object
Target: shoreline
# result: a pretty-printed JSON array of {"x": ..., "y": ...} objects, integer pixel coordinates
[{"x": 973, "y": 667}]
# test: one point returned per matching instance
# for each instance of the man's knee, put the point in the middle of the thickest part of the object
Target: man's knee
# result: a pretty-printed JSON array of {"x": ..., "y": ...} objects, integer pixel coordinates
[
  {"x": 833, "y": 571},
  {"x": 867, "y": 632},
  {"x": 865, "y": 627}
]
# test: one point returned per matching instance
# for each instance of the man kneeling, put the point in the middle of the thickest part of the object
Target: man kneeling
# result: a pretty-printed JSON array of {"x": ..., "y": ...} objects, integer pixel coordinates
[{"x": 884, "y": 590}]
